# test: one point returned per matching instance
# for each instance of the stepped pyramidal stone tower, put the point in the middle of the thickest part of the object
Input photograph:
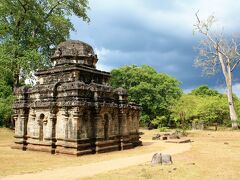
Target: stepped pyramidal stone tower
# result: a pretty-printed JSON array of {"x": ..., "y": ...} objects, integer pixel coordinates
[{"x": 72, "y": 109}]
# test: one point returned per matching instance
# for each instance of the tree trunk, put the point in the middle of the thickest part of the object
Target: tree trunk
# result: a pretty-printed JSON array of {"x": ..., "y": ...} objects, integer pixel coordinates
[
  {"x": 227, "y": 72},
  {"x": 232, "y": 111},
  {"x": 233, "y": 114}
]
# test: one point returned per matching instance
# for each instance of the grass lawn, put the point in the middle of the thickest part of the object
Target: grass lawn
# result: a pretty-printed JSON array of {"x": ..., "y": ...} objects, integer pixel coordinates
[
  {"x": 17, "y": 162},
  {"x": 214, "y": 155}
]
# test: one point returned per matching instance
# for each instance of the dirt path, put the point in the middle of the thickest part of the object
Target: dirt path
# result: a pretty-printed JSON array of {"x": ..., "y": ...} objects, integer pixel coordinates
[{"x": 73, "y": 172}]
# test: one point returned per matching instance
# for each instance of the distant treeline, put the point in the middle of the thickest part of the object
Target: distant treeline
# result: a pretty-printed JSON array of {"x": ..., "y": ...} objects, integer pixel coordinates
[{"x": 163, "y": 102}]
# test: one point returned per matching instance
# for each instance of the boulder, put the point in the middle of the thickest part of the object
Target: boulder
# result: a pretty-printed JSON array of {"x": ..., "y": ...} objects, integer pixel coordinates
[
  {"x": 166, "y": 159},
  {"x": 156, "y": 159},
  {"x": 164, "y": 137},
  {"x": 156, "y": 137},
  {"x": 159, "y": 158}
]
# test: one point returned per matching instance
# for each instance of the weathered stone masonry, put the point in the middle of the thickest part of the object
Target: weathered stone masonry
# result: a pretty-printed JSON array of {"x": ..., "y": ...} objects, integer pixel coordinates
[{"x": 73, "y": 110}]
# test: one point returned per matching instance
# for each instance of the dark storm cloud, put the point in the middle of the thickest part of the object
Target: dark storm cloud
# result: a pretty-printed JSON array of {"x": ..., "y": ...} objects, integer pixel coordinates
[{"x": 157, "y": 33}]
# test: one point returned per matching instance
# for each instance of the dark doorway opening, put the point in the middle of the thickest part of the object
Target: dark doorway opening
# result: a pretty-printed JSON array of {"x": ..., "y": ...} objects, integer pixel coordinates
[{"x": 41, "y": 118}]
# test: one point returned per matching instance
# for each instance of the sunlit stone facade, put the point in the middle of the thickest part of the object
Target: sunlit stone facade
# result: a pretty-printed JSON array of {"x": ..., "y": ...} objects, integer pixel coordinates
[{"x": 73, "y": 110}]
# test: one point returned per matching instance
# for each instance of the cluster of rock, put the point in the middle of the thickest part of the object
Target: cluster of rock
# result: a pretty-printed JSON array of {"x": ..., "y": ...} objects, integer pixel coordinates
[
  {"x": 176, "y": 137},
  {"x": 166, "y": 136},
  {"x": 72, "y": 109}
]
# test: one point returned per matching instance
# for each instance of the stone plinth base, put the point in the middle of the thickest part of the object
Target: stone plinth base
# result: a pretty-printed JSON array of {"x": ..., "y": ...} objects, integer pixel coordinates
[
  {"x": 40, "y": 147},
  {"x": 18, "y": 146},
  {"x": 78, "y": 147},
  {"x": 73, "y": 151},
  {"x": 107, "y": 146},
  {"x": 19, "y": 143}
]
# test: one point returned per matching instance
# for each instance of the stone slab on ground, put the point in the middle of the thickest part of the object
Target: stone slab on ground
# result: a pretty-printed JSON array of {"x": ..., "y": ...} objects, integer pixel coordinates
[{"x": 178, "y": 141}]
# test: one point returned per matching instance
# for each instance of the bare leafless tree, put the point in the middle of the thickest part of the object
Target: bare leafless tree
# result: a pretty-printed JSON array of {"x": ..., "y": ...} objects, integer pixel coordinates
[{"x": 217, "y": 52}]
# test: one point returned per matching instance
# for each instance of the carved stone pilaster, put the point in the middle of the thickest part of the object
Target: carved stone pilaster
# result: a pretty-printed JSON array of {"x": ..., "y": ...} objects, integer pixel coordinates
[
  {"x": 95, "y": 96},
  {"x": 77, "y": 115},
  {"x": 124, "y": 121},
  {"x": 66, "y": 127},
  {"x": 52, "y": 128},
  {"x": 33, "y": 115},
  {"x": 21, "y": 130}
]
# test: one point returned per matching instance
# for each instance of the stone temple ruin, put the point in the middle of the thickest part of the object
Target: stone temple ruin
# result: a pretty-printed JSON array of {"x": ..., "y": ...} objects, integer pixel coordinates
[{"x": 73, "y": 110}]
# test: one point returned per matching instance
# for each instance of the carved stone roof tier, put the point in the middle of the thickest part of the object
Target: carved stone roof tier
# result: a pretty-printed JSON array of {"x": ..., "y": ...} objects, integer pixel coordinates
[
  {"x": 71, "y": 68},
  {"x": 74, "y": 52}
]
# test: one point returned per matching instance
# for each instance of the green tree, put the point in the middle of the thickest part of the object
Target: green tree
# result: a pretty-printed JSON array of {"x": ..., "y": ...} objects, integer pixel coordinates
[
  {"x": 6, "y": 100},
  {"x": 207, "y": 106},
  {"x": 186, "y": 108},
  {"x": 204, "y": 90},
  {"x": 155, "y": 92},
  {"x": 214, "y": 110},
  {"x": 29, "y": 29}
]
